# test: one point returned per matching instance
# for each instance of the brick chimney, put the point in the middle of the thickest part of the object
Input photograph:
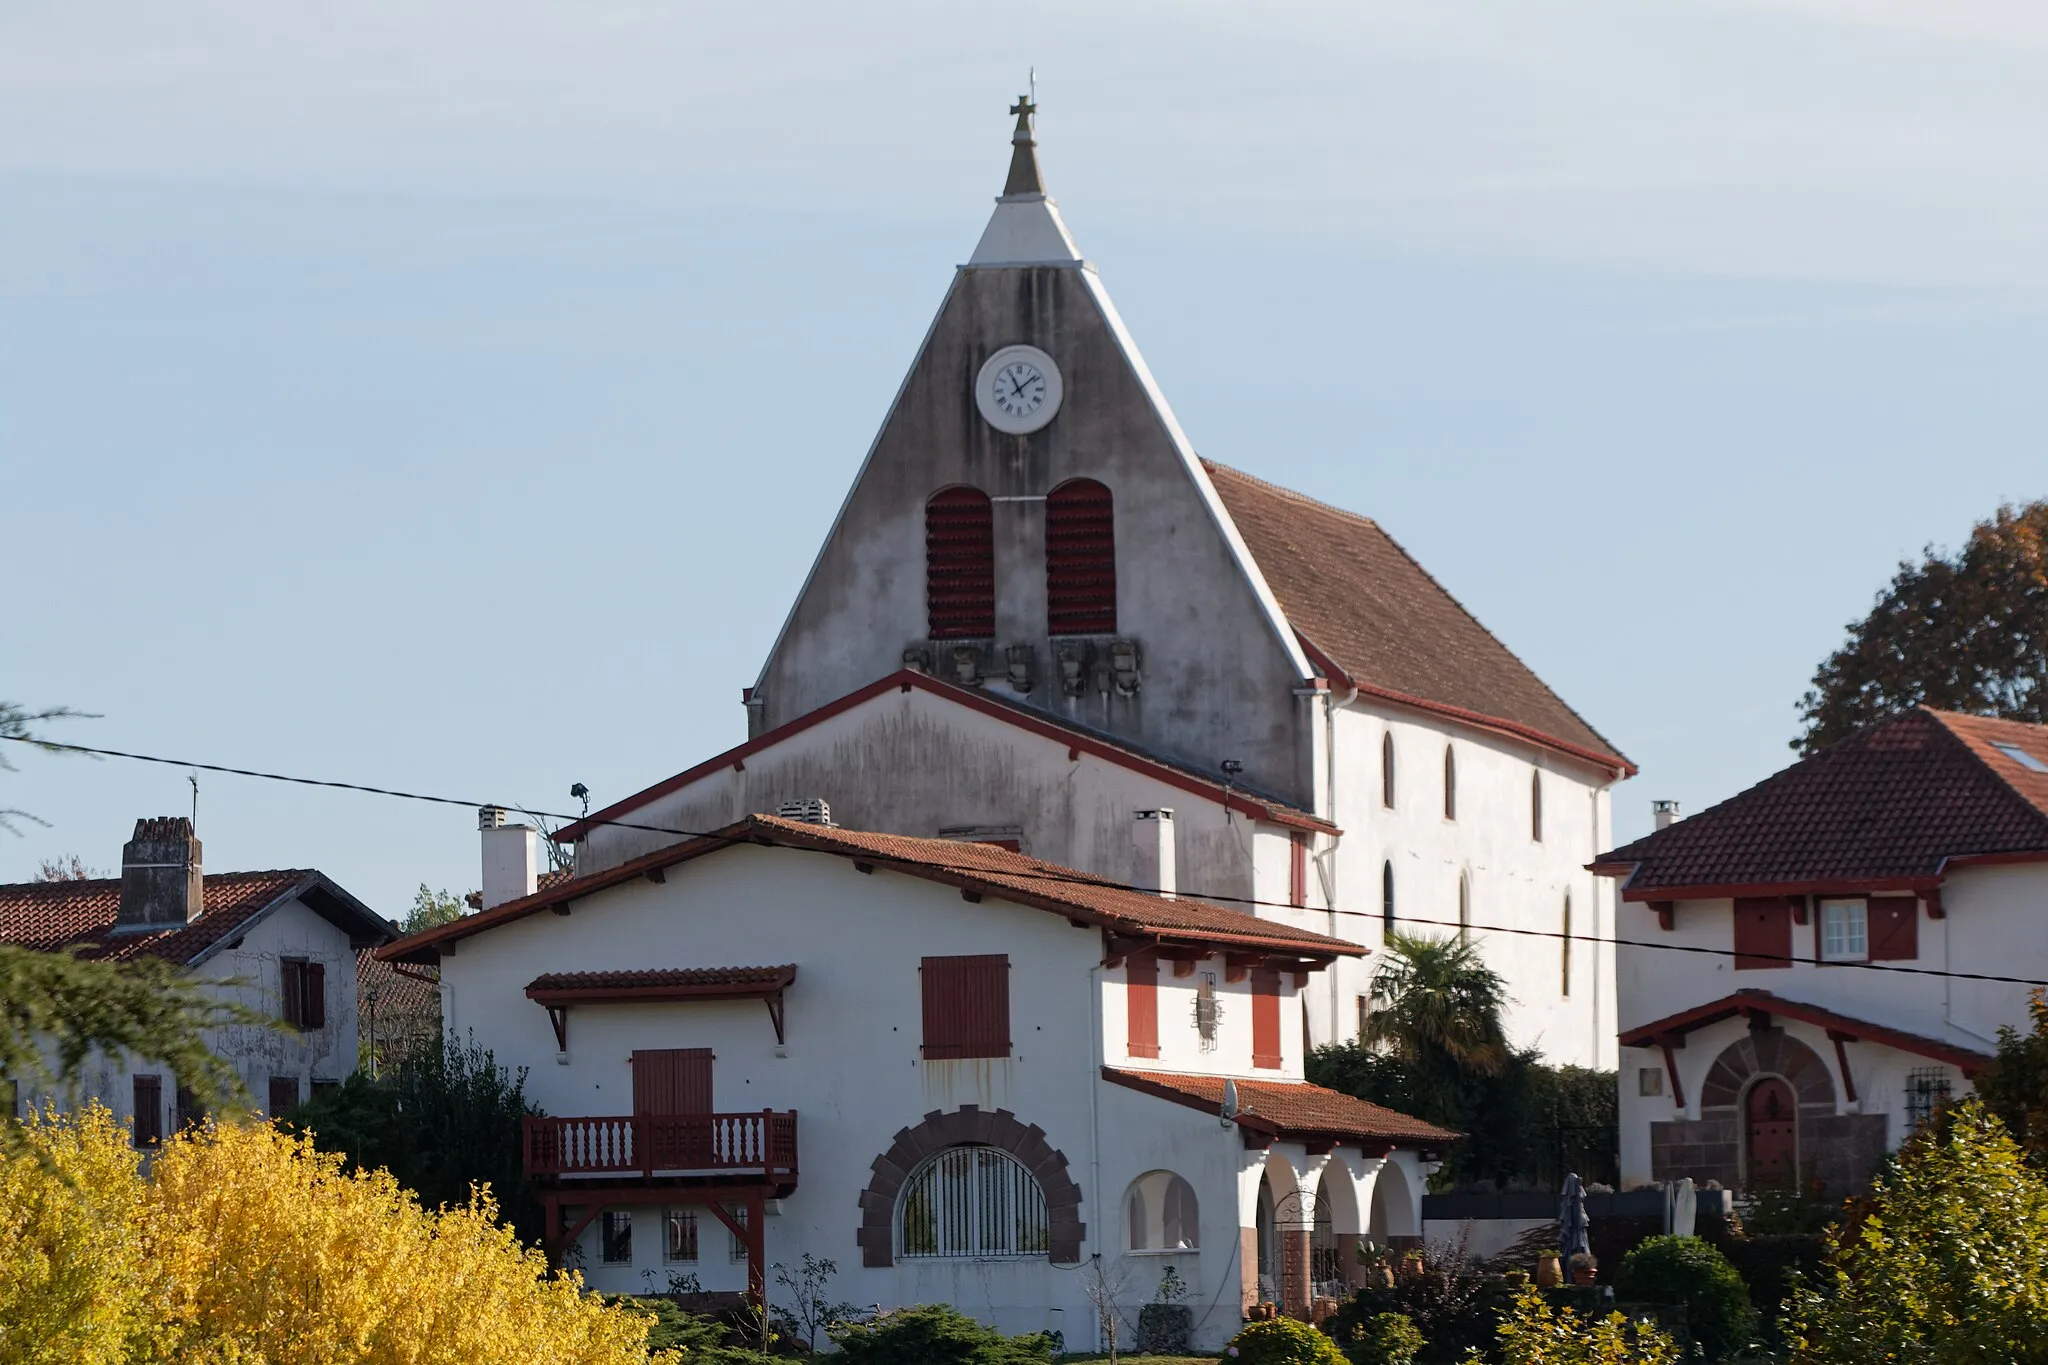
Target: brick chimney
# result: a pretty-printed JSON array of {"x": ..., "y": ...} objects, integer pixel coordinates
[{"x": 162, "y": 886}]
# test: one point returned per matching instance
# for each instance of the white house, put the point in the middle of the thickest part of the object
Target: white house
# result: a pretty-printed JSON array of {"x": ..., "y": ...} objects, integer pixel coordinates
[
  {"x": 1808, "y": 1020},
  {"x": 1118, "y": 623},
  {"x": 961, "y": 1072},
  {"x": 280, "y": 943}
]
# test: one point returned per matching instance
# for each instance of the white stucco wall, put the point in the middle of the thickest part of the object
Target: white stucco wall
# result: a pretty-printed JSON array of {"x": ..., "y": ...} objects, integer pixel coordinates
[{"x": 852, "y": 1067}]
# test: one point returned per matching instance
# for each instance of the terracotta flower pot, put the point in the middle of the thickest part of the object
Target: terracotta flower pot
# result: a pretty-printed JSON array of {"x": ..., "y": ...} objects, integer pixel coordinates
[
  {"x": 1584, "y": 1275},
  {"x": 1548, "y": 1275}
]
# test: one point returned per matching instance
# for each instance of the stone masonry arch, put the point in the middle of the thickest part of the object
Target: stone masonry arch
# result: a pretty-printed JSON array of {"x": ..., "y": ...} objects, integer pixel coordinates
[{"x": 970, "y": 1125}]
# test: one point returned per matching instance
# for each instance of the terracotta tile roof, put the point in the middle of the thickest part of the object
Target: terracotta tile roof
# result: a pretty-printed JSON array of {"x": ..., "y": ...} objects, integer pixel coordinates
[
  {"x": 400, "y": 990},
  {"x": 980, "y": 868},
  {"x": 1361, "y": 603},
  {"x": 80, "y": 914},
  {"x": 555, "y": 877},
  {"x": 1890, "y": 805},
  {"x": 1969, "y": 1059},
  {"x": 664, "y": 982},
  {"x": 1289, "y": 1109}
]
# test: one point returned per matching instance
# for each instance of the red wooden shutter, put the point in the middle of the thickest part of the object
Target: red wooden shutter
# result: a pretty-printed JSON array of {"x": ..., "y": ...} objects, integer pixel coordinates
[
  {"x": 672, "y": 1080},
  {"x": 149, "y": 1110},
  {"x": 292, "y": 991},
  {"x": 1141, "y": 1004},
  {"x": 1894, "y": 928},
  {"x": 966, "y": 1006},
  {"x": 314, "y": 1011},
  {"x": 1266, "y": 1018},
  {"x": 284, "y": 1095},
  {"x": 959, "y": 565},
  {"x": 1297, "y": 871},
  {"x": 1763, "y": 933},
  {"x": 1080, "y": 559}
]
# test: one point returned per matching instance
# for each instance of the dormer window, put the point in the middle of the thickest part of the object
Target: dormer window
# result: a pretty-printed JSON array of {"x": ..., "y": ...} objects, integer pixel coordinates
[
  {"x": 1080, "y": 559},
  {"x": 959, "y": 565}
]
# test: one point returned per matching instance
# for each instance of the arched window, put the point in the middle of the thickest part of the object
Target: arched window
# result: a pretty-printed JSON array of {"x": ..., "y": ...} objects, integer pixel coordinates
[
  {"x": 1080, "y": 560},
  {"x": 1387, "y": 897},
  {"x": 1566, "y": 955},
  {"x": 971, "y": 1201},
  {"x": 1464, "y": 907},
  {"x": 1160, "y": 1213},
  {"x": 1450, "y": 784},
  {"x": 1536, "y": 805},
  {"x": 959, "y": 565},
  {"x": 1387, "y": 770}
]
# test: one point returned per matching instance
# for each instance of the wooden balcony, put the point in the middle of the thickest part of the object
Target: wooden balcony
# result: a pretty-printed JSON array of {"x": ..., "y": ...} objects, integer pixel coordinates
[{"x": 723, "y": 1150}]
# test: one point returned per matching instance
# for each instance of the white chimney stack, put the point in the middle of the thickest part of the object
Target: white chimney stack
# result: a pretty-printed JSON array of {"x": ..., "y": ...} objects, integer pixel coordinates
[
  {"x": 1665, "y": 813},
  {"x": 1153, "y": 832},
  {"x": 511, "y": 858}
]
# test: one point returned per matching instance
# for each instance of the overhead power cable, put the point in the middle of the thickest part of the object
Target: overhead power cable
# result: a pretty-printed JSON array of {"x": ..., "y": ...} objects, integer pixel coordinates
[{"x": 1072, "y": 878}]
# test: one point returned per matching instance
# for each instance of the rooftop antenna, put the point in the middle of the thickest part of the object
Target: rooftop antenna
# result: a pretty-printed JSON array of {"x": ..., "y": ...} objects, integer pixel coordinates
[
  {"x": 1034, "y": 85},
  {"x": 193, "y": 778}
]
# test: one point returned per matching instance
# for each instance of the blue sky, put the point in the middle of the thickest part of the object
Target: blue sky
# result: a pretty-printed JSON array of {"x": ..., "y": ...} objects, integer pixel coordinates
[{"x": 451, "y": 398}]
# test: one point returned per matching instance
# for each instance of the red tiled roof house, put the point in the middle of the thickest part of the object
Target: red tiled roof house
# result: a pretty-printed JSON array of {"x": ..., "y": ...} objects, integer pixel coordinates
[{"x": 1860, "y": 925}]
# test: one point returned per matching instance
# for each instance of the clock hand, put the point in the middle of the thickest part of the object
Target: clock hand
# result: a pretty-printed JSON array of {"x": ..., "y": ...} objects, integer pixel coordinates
[{"x": 1016, "y": 389}]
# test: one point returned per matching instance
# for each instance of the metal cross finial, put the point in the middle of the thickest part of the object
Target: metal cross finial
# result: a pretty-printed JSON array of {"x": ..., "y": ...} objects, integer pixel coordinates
[{"x": 1025, "y": 107}]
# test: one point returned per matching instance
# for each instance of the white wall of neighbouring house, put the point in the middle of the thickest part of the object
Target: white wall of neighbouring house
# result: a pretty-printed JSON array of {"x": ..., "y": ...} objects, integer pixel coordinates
[
  {"x": 248, "y": 972},
  {"x": 851, "y": 1066}
]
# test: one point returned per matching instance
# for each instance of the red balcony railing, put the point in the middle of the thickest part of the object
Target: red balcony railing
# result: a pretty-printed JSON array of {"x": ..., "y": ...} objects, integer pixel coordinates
[{"x": 662, "y": 1144}]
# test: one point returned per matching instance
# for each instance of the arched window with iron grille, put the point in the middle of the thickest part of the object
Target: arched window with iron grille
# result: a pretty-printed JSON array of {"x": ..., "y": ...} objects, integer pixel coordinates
[
  {"x": 971, "y": 1201},
  {"x": 1080, "y": 559},
  {"x": 959, "y": 565}
]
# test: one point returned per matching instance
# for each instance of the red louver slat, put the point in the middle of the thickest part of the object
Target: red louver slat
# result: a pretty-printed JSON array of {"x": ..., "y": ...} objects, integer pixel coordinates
[
  {"x": 960, "y": 565},
  {"x": 1080, "y": 559}
]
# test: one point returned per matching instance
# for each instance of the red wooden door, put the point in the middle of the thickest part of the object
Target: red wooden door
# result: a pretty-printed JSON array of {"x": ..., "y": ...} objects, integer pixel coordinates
[
  {"x": 671, "y": 1106},
  {"x": 1773, "y": 1140}
]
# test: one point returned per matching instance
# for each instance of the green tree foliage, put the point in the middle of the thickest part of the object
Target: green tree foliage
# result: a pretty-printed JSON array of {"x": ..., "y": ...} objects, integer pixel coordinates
[
  {"x": 443, "y": 1118},
  {"x": 18, "y": 724},
  {"x": 1534, "y": 1333},
  {"x": 431, "y": 909},
  {"x": 1689, "y": 1271},
  {"x": 1385, "y": 1339},
  {"x": 1963, "y": 632},
  {"x": 1436, "y": 1005},
  {"x": 2015, "y": 1086},
  {"x": 934, "y": 1334},
  {"x": 1448, "y": 1301},
  {"x": 1281, "y": 1341},
  {"x": 1948, "y": 1264}
]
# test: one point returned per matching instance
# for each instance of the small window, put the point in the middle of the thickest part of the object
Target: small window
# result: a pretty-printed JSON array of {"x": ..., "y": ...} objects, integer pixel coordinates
[
  {"x": 1844, "y": 931},
  {"x": 1927, "y": 1089},
  {"x": 2022, "y": 757},
  {"x": 1565, "y": 948},
  {"x": 615, "y": 1236},
  {"x": 284, "y": 1095},
  {"x": 959, "y": 565},
  {"x": 149, "y": 1110},
  {"x": 680, "y": 1247},
  {"x": 1450, "y": 784},
  {"x": 972, "y": 1201},
  {"x": 1208, "y": 1012},
  {"x": 966, "y": 1006},
  {"x": 1387, "y": 770},
  {"x": 302, "y": 993},
  {"x": 739, "y": 1243},
  {"x": 188, "y": 1112},
  {"x": 1464, "y": 907},
  {"x": 1080, "y": 559},
  {"x": 1650, "y": 1080},
  {"x": 1387, "y": 897},
  {"x": 1160, "y": 1213},
  {"x": 1536, "y": 806}
]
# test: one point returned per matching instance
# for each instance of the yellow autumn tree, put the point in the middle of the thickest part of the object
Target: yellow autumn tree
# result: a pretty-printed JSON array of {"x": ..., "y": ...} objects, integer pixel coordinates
[{"x": 243, "y": 1244}]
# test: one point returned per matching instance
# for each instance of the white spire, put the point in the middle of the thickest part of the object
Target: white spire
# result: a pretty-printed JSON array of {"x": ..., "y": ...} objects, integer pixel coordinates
[{"x": 1025, "y": 229}]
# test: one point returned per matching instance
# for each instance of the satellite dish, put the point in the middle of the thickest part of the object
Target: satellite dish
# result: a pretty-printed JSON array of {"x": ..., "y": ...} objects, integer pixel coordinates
[{"x": 1229, "y": 1102}]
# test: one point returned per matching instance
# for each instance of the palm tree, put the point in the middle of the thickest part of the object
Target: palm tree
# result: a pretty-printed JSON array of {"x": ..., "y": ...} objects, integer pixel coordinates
[{"x": 1437, "y": 1006}]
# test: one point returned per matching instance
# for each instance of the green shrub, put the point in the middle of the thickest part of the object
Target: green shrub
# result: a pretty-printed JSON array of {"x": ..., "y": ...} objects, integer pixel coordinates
[
  {"x": 1535, "y": 1333},
  {"x": 1385, "y": 1339},
  {"x": 934, "y": 1334},
  {"x": 1282, "y": 1341},
  {"x": 1450, "y": 1303},
  {"x": 1689, "y": 1271},
  {"x": 702, "y": 1340}
]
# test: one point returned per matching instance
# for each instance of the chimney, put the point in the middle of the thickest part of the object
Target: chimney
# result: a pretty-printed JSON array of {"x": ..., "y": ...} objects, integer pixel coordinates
[
  {"x": 811, "y": 812},
  {"x": 162, "y": 886},
  {"x": 1665, "y": 813},
  {"x": 1152, "y": 830},
  {"x": 511, "y": 857}
]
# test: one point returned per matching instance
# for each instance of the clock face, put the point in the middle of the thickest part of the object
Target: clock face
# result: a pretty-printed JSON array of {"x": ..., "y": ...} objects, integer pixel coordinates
[{"x": 1018, "y": 389}]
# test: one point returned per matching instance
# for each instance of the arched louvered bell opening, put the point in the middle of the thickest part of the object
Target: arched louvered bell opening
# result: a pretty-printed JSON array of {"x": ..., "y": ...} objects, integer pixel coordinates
[
  {"x": 1080, "y": 559},
  {"x": 959, "y": 565}
]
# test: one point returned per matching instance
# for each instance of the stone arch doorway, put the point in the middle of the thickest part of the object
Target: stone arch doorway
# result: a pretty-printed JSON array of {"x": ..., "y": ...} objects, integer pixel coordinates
[{"x": 1770, "y": 1134}]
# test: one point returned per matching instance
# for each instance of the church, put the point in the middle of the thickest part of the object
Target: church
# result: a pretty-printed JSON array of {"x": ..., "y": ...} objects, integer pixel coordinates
[{"x": 1040, "y": 610}]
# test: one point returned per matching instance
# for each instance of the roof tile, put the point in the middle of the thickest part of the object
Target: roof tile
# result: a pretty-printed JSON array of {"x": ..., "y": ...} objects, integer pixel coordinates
[
  {"x": 1291, "y": 1108},
  {"x": 80, "y": 915}
]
